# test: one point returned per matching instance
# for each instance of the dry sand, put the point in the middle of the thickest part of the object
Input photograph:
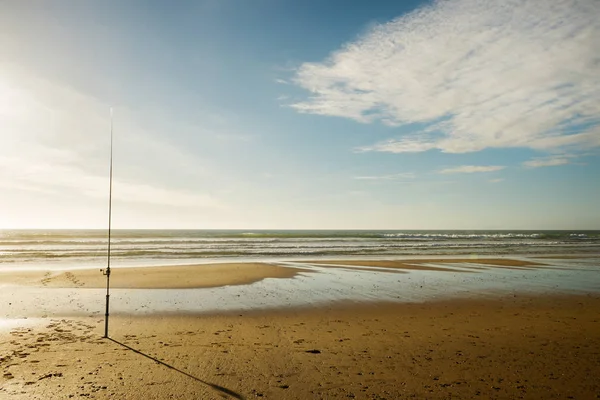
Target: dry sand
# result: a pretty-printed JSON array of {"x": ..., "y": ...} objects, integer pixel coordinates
[
  {"x": 504, "y": 348},
  {"x": 171, "y": 277}
]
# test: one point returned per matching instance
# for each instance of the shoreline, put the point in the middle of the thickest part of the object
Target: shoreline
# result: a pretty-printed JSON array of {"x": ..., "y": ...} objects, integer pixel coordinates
[
  {"x": 74, "y": 265},
  {"x": 225, "y": 287},
  {"x": 211, "y": 275}
]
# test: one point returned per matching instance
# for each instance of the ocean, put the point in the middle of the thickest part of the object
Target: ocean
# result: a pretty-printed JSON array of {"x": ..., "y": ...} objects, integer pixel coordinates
[{"x": 88, "y": 248}]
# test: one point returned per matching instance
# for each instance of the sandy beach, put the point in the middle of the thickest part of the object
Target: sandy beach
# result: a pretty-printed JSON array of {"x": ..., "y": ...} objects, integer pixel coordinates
[
  {"x": 511, "y": 347},
  {"x": 539, "y": 340}
]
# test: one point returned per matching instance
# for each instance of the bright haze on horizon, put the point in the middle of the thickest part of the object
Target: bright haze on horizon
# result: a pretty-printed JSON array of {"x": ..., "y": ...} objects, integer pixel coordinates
[{"x": 458, "y": 114}]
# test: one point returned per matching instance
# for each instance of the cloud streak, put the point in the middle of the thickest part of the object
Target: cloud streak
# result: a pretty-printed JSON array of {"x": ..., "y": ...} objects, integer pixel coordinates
[
  {"x": 546, "y": 162},
  {"x": 475, "y": 74},
  {"x": 392, "y": 177},
  {"x": 469, "y": 169}
]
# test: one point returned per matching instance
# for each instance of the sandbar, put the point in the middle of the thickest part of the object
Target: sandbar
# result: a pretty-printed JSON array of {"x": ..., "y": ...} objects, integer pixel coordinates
[
  {"x": 172, "y": 277},
  {"x": 420, "y": 264}
]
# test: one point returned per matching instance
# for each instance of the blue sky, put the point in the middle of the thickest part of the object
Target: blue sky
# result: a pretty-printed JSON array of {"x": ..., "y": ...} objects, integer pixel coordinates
[{"x": 462, "y": 114}]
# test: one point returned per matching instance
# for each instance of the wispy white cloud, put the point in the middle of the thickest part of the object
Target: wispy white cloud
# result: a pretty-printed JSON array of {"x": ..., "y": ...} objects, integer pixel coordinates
[
  {"x": 477, "y": 74},
  {"x": 405, "y": 145},
  {"x": 50, "y": 177},
  {"x": 469, "y": 169},
  {"x": 55, "y": 141},
  {"x": 399, "y": 176},
  {"x": 282, "y": 81},
  {"x": 546, "y": 162}
]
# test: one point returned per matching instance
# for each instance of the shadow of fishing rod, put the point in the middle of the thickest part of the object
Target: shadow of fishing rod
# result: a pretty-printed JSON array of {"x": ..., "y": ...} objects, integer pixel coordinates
[{"x": 220, "y": 389}]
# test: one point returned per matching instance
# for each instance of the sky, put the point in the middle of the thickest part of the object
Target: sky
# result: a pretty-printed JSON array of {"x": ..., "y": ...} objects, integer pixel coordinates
[{"x": 280, "y": 114}]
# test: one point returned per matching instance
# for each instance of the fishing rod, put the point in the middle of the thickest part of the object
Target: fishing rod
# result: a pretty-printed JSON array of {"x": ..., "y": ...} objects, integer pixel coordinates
[{"x": 107, "y": 272}]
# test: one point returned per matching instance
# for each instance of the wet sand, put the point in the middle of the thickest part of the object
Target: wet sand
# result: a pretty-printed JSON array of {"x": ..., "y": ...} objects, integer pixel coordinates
[
  {"x": 408, "y": 263},
  {"x": 544, "y": 347},
  {"x": 421, "y": 264},
  {"x": 223, "y": 274}
]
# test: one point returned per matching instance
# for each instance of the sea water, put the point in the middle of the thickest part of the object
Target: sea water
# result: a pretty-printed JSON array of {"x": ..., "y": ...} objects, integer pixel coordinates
[{"x": 88, "y": 248}]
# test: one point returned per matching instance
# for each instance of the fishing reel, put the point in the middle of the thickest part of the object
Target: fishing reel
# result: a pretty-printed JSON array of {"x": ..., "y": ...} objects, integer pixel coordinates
[{"x": 105, "y": 271}]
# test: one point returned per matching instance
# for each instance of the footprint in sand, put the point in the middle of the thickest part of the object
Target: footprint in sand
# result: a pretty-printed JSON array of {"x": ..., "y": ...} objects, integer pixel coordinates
[{"x": 47, "y": 279}]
